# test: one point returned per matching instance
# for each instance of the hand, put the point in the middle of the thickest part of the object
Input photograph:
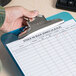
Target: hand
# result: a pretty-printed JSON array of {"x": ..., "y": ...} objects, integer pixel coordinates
[{"x": 15, "y": 18}]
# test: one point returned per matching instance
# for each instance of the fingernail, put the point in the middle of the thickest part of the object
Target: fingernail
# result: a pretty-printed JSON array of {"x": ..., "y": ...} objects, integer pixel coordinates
[{"x": 36, "y": 11}]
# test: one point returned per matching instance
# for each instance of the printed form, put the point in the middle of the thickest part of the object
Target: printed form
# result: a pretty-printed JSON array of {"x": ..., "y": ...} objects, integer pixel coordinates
[{"x": 50, "y": 51}]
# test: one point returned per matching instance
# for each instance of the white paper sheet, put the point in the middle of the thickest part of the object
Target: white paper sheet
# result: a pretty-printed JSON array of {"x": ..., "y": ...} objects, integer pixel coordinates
[{"x": 48, "y": 52}]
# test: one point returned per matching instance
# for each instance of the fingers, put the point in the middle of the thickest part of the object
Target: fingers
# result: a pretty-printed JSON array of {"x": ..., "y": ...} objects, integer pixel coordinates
[
  {"x": 30, "y": 14},
  {"x": 24, "y": 23},
  {"x": 22, "y": 33}
]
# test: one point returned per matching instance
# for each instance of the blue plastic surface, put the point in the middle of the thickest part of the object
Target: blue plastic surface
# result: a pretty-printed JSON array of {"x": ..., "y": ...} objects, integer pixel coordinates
[{"x": 63, "y": 15}]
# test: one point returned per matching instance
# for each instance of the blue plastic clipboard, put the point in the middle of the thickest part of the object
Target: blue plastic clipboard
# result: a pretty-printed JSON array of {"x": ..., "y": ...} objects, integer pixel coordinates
[{"x": 12, "y": 36}]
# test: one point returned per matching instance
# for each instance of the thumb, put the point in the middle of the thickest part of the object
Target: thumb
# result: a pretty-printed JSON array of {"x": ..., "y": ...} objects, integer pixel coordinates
[{"x": 30, "y": 14}]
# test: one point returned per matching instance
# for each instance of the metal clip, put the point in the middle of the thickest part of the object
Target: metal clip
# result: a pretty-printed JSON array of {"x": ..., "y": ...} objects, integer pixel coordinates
[{"x": 38, "y": 23}]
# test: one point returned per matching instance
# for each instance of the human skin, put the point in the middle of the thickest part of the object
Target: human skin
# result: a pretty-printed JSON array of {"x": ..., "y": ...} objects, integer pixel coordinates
[{"x": 15, "y": 18}]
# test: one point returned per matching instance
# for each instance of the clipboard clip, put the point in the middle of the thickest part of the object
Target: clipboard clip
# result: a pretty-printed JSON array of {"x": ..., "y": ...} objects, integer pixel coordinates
[{"x": 38, "y": 23}]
